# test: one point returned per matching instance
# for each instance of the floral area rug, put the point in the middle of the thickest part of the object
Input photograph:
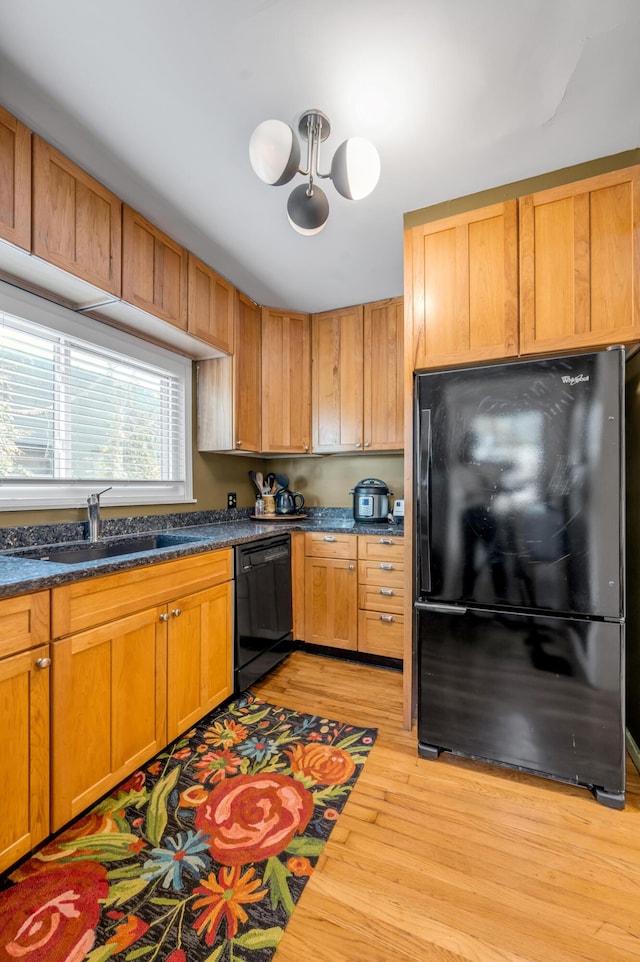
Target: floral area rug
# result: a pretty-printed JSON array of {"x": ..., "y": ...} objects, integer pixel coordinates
[{"x": 200, "y": 856}]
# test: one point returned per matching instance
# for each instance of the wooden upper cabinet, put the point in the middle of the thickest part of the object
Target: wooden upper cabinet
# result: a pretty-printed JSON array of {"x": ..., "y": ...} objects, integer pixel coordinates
[
  {"x": 154, "y": 270},
  {"x": 383, "y": 375},
  {"x": 228, "y": 392},
  {"x": 286, "y": 382},
  {"x": 77, "y": 222},
  {"x": 461, "y": 287},
  {"x": 337, "y": 380},
  {"x": 15, "y": 181},
  {"x": 212, "y": 303},
  {"x": 580, "y": 263}
]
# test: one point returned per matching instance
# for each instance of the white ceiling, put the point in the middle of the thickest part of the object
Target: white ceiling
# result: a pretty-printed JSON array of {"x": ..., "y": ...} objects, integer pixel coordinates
[{"x": 158, "y": 99}]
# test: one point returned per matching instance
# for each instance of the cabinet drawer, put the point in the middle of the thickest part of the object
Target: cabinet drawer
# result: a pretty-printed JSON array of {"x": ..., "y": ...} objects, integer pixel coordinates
[
  {"x": 380, "y": 548},
  {"x": 380, "y": 633},
  {"x": 381, "y": 598},
  {"x": 384, "y": 573},
  {"x": 320, "y": 545},
  {"x": 24, "y": 622},
  {"x": 85, "y": 603}
]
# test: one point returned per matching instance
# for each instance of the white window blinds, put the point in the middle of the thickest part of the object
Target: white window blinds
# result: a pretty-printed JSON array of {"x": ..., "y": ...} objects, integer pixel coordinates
[{"x": 75, "y": 414}]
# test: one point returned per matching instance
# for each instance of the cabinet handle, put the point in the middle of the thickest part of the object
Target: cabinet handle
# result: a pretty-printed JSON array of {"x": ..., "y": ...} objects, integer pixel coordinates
[
  {"x": 386, "y": 567},
  {"x": 358, "y": 444},
  {"x": 306, "y": 447},
  {"x": 238, "y": 444},
  {"x": 176, "y": 612},
  {"x": 386, "y": 591},
  {"x": 367, "y": 443},
  {"x": 43, "y": 663},
  {"x": 329, "y": 537},
  {"x": 387, "y": 618},
  {"x": 386, "y": 541},
  {"x": 352, "y": 567},
  {"x": 164, "y": 616}
]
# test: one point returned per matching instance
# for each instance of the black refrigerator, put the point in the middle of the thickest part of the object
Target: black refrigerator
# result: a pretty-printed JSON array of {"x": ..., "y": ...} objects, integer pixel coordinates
[{"x": 519, "y": 600}]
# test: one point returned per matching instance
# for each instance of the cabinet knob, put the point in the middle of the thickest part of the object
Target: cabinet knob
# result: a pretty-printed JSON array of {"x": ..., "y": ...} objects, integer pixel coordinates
[
  {"x": 176, "y": 612},
  {"x": 164, "y": 616},
  {"x": 386, "y": 591},
  {"x": 306, "y": 447},
  {"x": 238, "y": 444},
  {"x": 358, "y": 444},
  {"x": 43, "y": 663},
  {"x": 328, "y": 537},
  {"x": 352, "y": 567},
  {"x": 386, "y": 567},
  {"x": 367, "y": 443},
  {"x": 386, "y": 618}
]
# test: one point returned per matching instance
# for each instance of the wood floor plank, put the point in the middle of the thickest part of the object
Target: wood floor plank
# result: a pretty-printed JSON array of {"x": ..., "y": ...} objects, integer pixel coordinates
[{"x": 455, "y": 860}]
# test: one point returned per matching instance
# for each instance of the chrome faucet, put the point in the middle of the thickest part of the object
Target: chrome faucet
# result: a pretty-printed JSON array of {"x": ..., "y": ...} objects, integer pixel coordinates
[{"x": 93, "y": 502}]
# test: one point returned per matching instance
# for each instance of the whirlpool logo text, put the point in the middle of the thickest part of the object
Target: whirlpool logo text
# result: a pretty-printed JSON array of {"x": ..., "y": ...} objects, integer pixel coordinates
[{"x": 567, "y": 379}]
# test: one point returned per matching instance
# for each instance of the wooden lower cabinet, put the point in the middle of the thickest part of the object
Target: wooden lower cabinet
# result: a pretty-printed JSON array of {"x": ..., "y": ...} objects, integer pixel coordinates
[
  {"x": 198, "y": 656},
  {"x": 24, "y": 761},
  {"x": 108, "y": 708},
  {"x": 126, "y": 681},
  {"x": 354, "y": 593}
]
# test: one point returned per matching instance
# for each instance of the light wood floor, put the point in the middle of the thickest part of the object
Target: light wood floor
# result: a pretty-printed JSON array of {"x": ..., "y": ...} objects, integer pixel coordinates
[{"x": 456, "y": 860}]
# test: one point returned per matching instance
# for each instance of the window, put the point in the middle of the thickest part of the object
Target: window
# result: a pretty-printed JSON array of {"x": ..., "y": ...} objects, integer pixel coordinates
[{"x": 84, "y": 406}]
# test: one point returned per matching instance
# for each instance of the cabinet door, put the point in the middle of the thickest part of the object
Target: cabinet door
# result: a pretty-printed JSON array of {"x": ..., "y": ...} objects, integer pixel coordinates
[
  {"x": 24, "y": 761},
  {"x": 77, "y": 222},
  {"x": 383, "y": 387},
  {"x": 286, "y": 382},
  {"x": 211, "y": 306},
  {"x": 109, "y": 708},
  {"x": 199, "y": 656},
  {"x": 337, "y": 380},
  {"x": 580, "y": 264},
  {"x": 331, "y": 603},
  {"x": 246, "y": 377},
  {"x": 461, "y": 287},
  {"x": 15, "y": 181},
  {"x": 154, "y": 270}
]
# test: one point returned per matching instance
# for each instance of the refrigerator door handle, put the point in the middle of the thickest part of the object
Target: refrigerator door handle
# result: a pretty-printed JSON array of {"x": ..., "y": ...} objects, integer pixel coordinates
[
  {"x": 424, "y": 512},
  {"x": 441, "y": 609}
]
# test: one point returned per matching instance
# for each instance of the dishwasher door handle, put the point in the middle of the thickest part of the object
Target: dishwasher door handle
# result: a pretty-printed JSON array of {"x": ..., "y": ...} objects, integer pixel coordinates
[{"x": 440, "y": 609}]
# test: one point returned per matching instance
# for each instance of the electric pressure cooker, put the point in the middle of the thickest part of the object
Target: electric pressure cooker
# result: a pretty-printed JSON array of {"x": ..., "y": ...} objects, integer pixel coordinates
[{"x": 371, "y": 500}]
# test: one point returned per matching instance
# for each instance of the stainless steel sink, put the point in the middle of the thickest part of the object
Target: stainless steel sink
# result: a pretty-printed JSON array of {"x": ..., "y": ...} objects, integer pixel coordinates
[{"x": 79, "y": 552}]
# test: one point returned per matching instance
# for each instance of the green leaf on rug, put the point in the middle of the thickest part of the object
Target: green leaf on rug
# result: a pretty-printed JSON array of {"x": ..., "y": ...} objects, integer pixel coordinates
[
  {"x": 124, "y": 890},
  {"x": 276, "y": 875},
  {"x": 217, "y": 954},
  {"x": 101, "y": 954},
  {"x": 305, "y": 846},
  {"x": 260, "y": 938},
  {"x": 157, "y": 817}
]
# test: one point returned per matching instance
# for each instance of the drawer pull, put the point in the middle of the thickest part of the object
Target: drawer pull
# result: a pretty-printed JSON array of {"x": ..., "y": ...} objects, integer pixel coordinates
[
  {"x": 387, "y": 618},
  {"x": 352, "y": 567},
  {"x": 164, "y": 616},
  {"x": 387, "y": 591},
  {"x": 386, "y": 541},
  {"x": 329, "y": 537},
  {"x": 176, "y": 612},
  {"x": 386, "y": 567},
  {"x": 43, "y": 663}
]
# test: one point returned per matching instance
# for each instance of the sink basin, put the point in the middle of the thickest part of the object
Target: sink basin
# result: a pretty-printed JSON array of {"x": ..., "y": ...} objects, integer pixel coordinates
[{"x": 77, "y": 552}]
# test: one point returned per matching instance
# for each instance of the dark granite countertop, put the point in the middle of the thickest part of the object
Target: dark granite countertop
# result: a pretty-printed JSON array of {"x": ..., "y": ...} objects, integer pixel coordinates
[{"x": 222, "y": 529}]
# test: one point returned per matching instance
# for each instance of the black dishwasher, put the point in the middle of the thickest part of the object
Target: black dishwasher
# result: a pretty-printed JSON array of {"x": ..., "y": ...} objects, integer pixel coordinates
[{"x": 263, "y": 618}]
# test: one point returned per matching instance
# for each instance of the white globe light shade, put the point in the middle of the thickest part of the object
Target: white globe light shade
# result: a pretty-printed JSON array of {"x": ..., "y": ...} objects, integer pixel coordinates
[
  {"x": 307, "y": 213},
  {"x": 274, "y": 152},
  {"x": 355, "y": 168}
]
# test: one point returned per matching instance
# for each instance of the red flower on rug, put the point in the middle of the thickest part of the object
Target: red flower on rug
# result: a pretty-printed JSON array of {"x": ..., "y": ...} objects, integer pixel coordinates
[
  {"x": 53, "y": 915},
  {"x": 251, "y": 817}
]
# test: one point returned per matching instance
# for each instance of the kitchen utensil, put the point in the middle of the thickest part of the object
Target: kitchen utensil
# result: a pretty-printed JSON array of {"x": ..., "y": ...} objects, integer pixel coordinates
[
  {"x": 283, "y": 480},
  {"x": 252, "y": 476},
  {"x": 269, "y": 504},
  {"x": 270, "y": 483},
  {"x": 260, "y": 481},
  {"x": 288, "y": 502}
]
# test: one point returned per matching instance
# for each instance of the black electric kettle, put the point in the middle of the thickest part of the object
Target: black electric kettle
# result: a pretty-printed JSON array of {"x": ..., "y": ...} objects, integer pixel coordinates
[{"x": 288, "y": 502}]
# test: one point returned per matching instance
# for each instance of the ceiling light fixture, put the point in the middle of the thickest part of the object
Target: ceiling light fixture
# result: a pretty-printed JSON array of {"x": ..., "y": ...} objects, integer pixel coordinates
[{"x": 274, "y": 151}]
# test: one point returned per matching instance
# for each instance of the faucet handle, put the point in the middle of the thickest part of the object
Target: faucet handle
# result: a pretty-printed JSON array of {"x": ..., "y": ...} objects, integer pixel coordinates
[{"x": 95, "y": 498}]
